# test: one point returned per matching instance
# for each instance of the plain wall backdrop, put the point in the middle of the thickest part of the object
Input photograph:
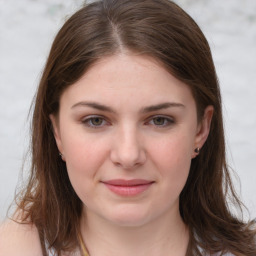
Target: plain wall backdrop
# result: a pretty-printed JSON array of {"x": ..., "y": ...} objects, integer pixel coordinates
[{"x": 27, "y": 28}]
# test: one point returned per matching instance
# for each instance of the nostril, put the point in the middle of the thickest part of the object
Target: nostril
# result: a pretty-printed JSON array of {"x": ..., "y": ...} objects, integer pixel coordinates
[
  {"x": 127, "y": 150},
  {"x": 128, "y": 159}
]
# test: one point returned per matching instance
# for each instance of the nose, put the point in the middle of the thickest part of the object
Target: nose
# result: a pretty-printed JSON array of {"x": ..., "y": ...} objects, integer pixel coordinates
[{"x": 127, "y": 150}]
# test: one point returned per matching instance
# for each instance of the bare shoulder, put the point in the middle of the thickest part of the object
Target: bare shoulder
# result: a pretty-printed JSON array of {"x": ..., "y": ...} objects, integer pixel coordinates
[{"x": 19, "y": 239}]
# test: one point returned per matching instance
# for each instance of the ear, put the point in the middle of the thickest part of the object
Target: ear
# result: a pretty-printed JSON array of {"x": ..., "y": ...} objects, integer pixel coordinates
[
  {"x": 56, "y": 133},
  {"x": 203, "y": 129}
]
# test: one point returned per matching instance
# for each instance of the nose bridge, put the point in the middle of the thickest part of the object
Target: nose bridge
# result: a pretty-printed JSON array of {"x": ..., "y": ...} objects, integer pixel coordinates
[{"x": 128, "y": 150}]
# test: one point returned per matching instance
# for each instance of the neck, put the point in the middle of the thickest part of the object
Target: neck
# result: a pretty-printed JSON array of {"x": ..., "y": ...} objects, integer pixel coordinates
[{"x": 164, "y": 236}]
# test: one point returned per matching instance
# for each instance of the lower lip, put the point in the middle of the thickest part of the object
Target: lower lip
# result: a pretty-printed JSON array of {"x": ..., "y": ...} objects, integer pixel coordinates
[{"x": 128, "y": 190}]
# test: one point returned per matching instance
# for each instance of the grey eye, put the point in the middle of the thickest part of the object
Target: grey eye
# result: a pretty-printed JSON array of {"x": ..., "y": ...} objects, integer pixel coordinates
[
  {"x": 159, "y": 120},
  {"x": 96, "y": 121}
]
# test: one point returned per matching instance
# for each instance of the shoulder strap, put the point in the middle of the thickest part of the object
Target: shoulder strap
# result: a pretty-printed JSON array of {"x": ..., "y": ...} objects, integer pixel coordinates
[{"x": 82, "y": 245}]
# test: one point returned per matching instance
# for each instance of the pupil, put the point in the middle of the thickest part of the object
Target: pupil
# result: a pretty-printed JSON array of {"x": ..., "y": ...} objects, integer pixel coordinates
[
  {"x": 159, "y": 121},
  {"x": 97, "y": 121}
]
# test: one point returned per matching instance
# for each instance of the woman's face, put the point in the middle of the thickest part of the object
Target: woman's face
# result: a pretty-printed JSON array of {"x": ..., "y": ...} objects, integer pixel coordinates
[{"x": 127, "y": 131}]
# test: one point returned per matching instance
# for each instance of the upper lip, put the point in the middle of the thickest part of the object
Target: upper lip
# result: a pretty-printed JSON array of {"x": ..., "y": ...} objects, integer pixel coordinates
[{"x": 127, "y": 183}]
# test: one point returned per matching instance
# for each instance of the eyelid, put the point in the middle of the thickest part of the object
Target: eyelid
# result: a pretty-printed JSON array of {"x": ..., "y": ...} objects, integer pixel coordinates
[
  {"x": 87, "y": 119},
  {"x": 169, "y": 119}
]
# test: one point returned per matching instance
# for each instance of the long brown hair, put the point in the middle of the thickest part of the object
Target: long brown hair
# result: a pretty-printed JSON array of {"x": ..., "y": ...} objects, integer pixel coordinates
[{"x": 162, "y": 30}]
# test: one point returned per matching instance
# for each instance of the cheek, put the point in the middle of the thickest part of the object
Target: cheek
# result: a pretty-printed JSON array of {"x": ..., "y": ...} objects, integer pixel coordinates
[
  {"x": 84, "y": 157},
  {"x": 173, "y": 158},
  {"x": 81, "y": 148}
]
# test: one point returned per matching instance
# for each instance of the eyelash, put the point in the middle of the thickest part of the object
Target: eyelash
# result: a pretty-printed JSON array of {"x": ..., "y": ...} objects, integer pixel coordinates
[
  {"x": 88, "y": 121},
  {"x": 168, "y": 121}
]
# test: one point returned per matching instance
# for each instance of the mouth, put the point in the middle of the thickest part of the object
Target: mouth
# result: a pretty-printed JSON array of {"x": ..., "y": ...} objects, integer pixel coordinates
[{"x": 128, "y": 187}]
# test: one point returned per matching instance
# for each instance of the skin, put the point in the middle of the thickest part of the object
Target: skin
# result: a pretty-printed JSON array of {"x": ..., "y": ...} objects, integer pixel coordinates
[
  {"x": 129, "y": 139},
  {"x": 126, "y": 139},
  {"x": 19, "y": 239}
]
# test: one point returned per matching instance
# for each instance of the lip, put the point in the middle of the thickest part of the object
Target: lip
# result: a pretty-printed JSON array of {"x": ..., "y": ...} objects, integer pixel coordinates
[{"x": 128, "y": 187}]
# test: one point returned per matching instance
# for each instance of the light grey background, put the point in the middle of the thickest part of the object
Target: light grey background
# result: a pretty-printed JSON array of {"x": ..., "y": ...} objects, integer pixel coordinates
[{"x": 27, "y": 28}]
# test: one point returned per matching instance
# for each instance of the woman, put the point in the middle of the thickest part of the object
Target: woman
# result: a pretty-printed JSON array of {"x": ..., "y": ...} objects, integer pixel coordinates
[{"x": 128, "y": 151}]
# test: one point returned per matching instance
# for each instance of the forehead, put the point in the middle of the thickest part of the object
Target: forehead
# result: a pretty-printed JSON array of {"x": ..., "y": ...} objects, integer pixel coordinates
[{"x": 127, "y": 78}]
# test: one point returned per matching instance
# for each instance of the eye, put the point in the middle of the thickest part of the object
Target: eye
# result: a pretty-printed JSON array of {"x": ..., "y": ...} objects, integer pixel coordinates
[
  {"x": 94, "y": 121},
  {"x": 161, "y": 121}
]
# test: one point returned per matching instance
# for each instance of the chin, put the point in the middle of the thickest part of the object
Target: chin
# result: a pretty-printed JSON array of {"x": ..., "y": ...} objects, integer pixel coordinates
[
  {"x": 127, "y": 221},
  {"x": 129, "y": 217}
]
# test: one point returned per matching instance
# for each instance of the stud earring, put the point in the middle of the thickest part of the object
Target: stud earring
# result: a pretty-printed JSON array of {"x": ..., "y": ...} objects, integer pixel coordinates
[
  {"x": 197, "y": 150},
  {"x": 62, "y": 156}
]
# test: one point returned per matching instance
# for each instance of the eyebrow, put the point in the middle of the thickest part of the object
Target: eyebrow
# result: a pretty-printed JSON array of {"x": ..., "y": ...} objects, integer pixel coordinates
[
  {"x": 93, "y": 105},
  {"x": 147, "y": 109},
  {"x": 161, "y": 106}
]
